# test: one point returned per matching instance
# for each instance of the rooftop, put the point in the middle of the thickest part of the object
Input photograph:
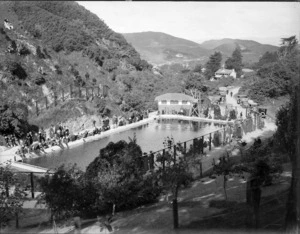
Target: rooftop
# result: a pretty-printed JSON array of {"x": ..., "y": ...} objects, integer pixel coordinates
[
  {"x": 175, "y": 96},
  {"x": 224, "y": 71}
]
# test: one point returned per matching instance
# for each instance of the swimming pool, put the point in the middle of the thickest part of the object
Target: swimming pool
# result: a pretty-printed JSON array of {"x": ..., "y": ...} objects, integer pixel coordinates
[{"x": 149, "y": 136}]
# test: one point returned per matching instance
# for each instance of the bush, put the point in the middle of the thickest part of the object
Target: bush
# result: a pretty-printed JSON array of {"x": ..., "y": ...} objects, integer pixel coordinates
[
  {"x": 23, "y": 50},
  {"x": 216, "y": 139},
  {"x": 119, "y": 177},
  {"x": 232, "y": 115}
]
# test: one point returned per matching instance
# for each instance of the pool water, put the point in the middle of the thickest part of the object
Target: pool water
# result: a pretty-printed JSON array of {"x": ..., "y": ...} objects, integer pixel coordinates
[{"x": 149, "y": 136}]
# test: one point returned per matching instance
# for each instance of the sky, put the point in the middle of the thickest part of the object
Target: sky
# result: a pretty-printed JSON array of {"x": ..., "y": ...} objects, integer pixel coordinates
[{"x": 265, "y": 22}]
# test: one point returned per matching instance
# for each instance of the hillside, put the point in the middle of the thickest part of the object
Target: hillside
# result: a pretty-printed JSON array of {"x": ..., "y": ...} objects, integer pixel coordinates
[
  {"x": 53, "y": 45},
  {"x": 158, "y": 48},
  {"x": 251, "y": 50}
]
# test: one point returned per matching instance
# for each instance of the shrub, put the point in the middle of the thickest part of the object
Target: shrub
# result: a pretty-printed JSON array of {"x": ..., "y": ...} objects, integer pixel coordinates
[{"x": 216, "y": 139}]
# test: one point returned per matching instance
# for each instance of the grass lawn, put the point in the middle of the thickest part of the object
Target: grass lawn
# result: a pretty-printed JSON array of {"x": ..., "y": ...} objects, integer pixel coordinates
[{"x": 202, "y": 208}]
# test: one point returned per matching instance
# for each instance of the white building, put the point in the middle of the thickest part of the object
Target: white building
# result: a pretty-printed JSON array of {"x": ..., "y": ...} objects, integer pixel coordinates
[{"x": 225, "y": 73}]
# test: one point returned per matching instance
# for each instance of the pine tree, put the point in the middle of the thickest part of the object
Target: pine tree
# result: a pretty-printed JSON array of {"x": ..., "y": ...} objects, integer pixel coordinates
[
  {"x": 235, "y": 61},
  {"x": 213, "y": 64}
]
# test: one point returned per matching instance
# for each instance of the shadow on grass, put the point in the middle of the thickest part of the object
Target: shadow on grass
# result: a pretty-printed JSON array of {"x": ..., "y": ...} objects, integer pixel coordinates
[{"x": 234, "y": 216}]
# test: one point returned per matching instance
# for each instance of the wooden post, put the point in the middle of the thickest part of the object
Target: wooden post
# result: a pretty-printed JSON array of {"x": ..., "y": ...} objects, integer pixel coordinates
[
  {"x": 163, "y": 159},
  {"x": 55, "y": 98},
  {"x": 37, "y": 108},
  {"x": 209, "y": 141},
  {"x": 79, "y": 92},
  {"x": 93, "y": 91},
  {"x": 184, "y": 147},
  {"x": 98, "y": 90},
  {"x": 202, "y": 145},
  {"x": 17, "y": 220},
  {"x": 224, "y": 136},
  {"x": 6, "y": 188},
  {"x": 63, "y": 94},
  {"x": 174, "y": 153},
  {"x": 194, "y": 146},
  {"x": 46, "y": 102},
  {"x": 175, "y": 213},
  {"x": 255, "y": 119},
  {"x": 86, "y": 93},
  {"x": 71, "y": 90},
  {"x": 32, "y": 184}
]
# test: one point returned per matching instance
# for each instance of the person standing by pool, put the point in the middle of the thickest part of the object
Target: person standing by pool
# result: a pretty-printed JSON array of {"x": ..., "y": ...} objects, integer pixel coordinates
[{"x": 7, "y": 141}]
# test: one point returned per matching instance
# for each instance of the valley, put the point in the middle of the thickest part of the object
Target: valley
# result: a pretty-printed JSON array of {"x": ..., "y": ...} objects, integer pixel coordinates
[{"x": 108, "y": 128}]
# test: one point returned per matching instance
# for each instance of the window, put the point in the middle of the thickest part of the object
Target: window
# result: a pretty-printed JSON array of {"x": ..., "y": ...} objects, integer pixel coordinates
[
  {"x": 174, "y": 102},
  {"x": 184, "y": 102},
  {"x": 164, "y": 102}
]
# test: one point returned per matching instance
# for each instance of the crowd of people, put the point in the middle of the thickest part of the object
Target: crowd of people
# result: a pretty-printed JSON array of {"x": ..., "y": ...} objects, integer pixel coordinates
[{"x": 59, "y": 134}]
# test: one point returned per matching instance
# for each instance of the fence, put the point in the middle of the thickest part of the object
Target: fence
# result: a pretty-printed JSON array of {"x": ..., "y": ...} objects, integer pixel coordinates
[
  {"x": 61, "y": 95},
  {"x": 199, "y": 146}
]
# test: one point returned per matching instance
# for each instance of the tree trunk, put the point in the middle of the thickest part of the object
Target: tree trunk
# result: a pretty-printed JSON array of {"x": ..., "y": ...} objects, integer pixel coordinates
[
  {"x": 17, "y": 220},
  {"x": 175, "y": 212},
  {"x": 291, "y": 207},
  {"x": 201, "y": 172},
  {"x": 224, "y": 186}
]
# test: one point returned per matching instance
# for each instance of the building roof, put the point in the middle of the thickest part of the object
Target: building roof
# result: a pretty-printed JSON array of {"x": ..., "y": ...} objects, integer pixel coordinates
[
  {"x": 224, "y": 71},
  {"x": 176, "y": 96}
]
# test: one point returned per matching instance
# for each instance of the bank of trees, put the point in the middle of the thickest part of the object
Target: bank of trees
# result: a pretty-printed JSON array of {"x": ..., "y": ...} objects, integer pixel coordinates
[{"x": 277, "y": 72}]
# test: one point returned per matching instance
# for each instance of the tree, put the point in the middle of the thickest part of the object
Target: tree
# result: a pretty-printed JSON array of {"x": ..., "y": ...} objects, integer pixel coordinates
[
  {"x": 61, "y": 191},
  {"x": 213, "y": 64},
  {"x": 175, "y": 174},
  {"x": 11, "y": 203},
  {"x": 263, "y": 165},
  {"x": 235, "y": 61},
  {"x": 118, "y": 174},
  {"x": 13, "y": 119},
  {"x": 224, "y": 168},
  {"x": 198, "y": 68},
  {"x": 193, "y": 83},
  {"x": 287, "y": 139}
]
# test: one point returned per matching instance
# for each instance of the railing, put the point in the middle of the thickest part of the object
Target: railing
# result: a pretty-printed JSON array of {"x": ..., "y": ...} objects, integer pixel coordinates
[
  {"x": 61, "y": 95},
  {"x": 200, "y": 146}
]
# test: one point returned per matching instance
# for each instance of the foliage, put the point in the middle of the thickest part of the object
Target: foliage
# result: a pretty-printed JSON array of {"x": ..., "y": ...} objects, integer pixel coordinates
[
  {"x": 13, "y": 119},
  {"x": 110, "y": 64},
  {"x": 194, "y": 81},
  {"x": 119, "y": 177},
  {"x": 213, "y": 64},
  {"x": 198, "y": 68},
  {"x": 267, "y": 58},
  {"x": 217, "y": 112},
  {"x": 15, "y": 68},
  {"x": 224, "y": 168},
  {"x": 235, "y": 61},
  {"x": 286, "y": 121},
  {"x": 216, "y": 139},
  {"x": 11, "y": 203},
  {"x": 23, "y": 50},
  {"x": 232, "y": 115},
  {"x": 278, "y": 72},
  {"x": 63, "y": 192}
]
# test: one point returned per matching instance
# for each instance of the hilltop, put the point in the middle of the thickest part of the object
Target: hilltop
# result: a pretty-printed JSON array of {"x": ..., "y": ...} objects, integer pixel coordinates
[
  {"x": 160, "y": 48},
  {"x": 251, "y": 50}
]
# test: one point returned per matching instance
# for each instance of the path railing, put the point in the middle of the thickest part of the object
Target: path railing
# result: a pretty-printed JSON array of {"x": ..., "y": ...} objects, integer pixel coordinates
[
  {"x": 200, "y": 146},
  {"x": 60, "y": 95}
]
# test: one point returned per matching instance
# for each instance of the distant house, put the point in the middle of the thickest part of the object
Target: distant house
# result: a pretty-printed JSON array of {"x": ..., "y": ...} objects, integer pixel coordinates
[
  {"x": 175, "y": 103},
  {"x": 225, "y": 73}
]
